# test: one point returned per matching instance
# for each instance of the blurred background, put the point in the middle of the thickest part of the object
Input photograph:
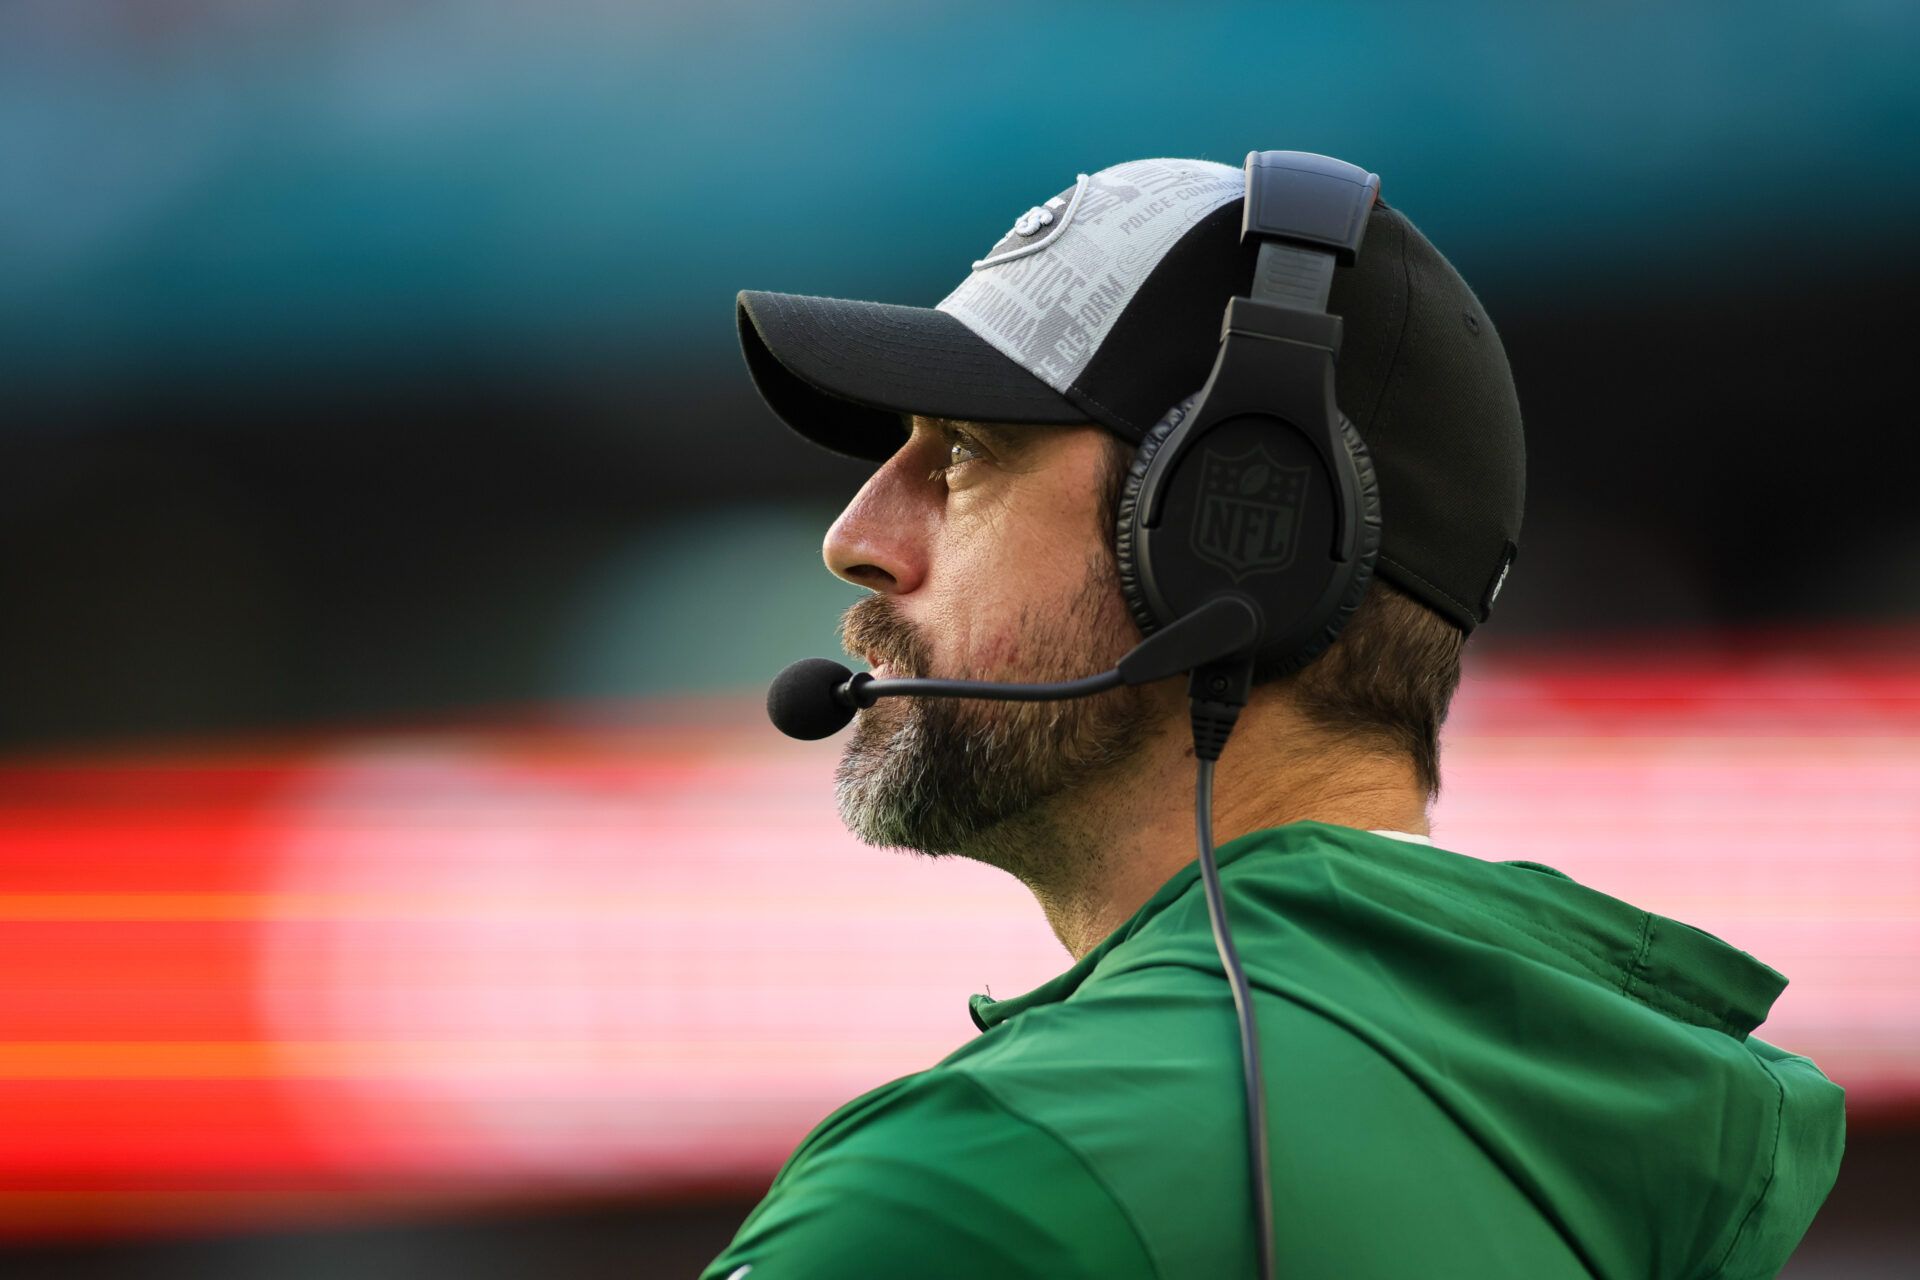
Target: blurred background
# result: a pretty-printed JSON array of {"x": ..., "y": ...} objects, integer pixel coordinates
[{"x": 396, "y": 870}]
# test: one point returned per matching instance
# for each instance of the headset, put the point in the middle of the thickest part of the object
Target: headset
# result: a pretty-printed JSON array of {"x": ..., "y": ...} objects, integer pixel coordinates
[
  {"x": 1232, "y": 491},
  {"x": 1247, "y": 532}
]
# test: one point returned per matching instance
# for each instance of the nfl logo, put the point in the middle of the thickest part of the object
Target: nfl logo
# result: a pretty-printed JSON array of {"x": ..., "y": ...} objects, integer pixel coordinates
[{"x": 1249, "y": 516}]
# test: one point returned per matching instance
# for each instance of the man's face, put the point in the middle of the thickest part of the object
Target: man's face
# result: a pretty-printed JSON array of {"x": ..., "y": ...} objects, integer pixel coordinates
[{"x": 990, "y": 554}]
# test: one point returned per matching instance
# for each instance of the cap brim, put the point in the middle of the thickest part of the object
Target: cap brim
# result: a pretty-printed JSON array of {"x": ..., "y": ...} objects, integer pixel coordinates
[{"x": 842, "y": 373}]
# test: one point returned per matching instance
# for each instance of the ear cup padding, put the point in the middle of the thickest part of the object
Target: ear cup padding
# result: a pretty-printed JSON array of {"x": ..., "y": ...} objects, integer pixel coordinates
[{"x": 1130, "y": 584}]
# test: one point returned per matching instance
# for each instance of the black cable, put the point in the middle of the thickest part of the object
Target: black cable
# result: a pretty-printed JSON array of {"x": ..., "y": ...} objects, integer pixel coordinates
[{"x": 1243, "y": 1004}]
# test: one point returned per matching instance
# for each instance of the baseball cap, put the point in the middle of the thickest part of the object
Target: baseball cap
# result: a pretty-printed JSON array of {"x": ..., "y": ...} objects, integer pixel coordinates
[{"x": 1103, "y": 304}]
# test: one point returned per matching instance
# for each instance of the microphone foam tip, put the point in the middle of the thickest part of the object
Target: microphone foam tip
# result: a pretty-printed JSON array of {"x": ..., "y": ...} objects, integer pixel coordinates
[{"x": 800, "y": 700}]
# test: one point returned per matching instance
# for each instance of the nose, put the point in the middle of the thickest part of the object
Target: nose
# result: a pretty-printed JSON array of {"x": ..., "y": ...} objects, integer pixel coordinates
[{"x": 880, "y": 541}]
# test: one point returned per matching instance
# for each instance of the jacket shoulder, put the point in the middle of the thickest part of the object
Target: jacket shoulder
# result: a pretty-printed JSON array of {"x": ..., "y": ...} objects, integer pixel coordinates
[{"x": 934, "y": 1176}]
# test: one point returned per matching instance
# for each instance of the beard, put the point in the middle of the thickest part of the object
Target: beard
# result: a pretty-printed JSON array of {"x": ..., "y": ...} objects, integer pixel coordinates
[{"x": 978, "y": 778}]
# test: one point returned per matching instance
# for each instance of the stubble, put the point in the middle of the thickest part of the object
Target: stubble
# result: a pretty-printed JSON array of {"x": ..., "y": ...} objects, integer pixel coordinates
[{"x": 986, "y": 780}]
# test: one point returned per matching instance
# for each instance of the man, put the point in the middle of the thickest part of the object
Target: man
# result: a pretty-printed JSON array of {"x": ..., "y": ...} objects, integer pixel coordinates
[{"x": 1471, "y": 1068}]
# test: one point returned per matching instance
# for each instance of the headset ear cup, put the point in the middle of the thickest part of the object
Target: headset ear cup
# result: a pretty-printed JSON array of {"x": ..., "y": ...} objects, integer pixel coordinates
[
  {"x": 1130, "y": 583},
  {"x": 1366, "y": 552}
]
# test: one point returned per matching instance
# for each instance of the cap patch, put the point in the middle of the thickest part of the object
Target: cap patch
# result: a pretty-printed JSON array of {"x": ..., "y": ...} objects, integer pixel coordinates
[
  {"x": 1038, "y": 227},
  {"x": 1047, "y": 294}
]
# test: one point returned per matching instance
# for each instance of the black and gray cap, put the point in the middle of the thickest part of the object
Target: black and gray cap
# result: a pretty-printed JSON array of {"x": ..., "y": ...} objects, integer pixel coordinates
[{"x": 1104, "y": 305}]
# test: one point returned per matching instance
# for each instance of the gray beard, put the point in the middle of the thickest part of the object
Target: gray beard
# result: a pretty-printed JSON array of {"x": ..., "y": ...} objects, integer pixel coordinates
[{"x": 979, "y": 779}]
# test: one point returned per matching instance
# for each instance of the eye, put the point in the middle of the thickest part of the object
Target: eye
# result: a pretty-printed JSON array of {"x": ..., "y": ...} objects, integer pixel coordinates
[{"x": 961, "y": 449}]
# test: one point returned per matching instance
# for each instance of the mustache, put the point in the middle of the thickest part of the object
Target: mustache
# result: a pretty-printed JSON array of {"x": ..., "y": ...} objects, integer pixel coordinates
[{"x": 872, "y": 630}]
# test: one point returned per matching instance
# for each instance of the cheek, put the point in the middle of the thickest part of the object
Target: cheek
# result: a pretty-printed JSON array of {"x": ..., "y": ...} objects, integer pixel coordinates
[
  {"x": 970, "y": 605},
  {"x": 994, "y": 613}
]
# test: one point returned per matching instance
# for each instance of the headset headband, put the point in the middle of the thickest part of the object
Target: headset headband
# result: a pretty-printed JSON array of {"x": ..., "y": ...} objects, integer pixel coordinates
[{"x": 1310, "y": 212}]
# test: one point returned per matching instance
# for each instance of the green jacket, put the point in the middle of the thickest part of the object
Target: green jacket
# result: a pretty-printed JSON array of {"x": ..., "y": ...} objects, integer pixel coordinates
[{"x": 1473, "y": 1069}]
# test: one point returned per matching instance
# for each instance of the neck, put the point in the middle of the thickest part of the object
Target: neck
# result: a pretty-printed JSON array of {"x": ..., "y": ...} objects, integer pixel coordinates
[{"x": 1094, "y": 857}]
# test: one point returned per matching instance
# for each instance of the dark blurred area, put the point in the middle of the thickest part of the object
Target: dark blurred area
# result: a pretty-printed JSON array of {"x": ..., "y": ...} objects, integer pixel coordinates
[{"x": 371, "y": 542}]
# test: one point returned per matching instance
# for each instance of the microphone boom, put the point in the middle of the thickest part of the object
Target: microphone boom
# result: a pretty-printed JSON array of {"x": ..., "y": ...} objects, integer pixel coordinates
[{"x": 816, "y": 697}]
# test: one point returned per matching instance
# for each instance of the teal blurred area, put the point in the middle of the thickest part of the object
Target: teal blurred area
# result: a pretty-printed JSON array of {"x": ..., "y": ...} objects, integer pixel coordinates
[{"x": 217, "y": 188}]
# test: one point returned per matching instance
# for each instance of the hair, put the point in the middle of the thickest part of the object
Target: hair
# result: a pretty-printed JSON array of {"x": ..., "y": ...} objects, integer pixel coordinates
[{"x": 1386, "y": 682}]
